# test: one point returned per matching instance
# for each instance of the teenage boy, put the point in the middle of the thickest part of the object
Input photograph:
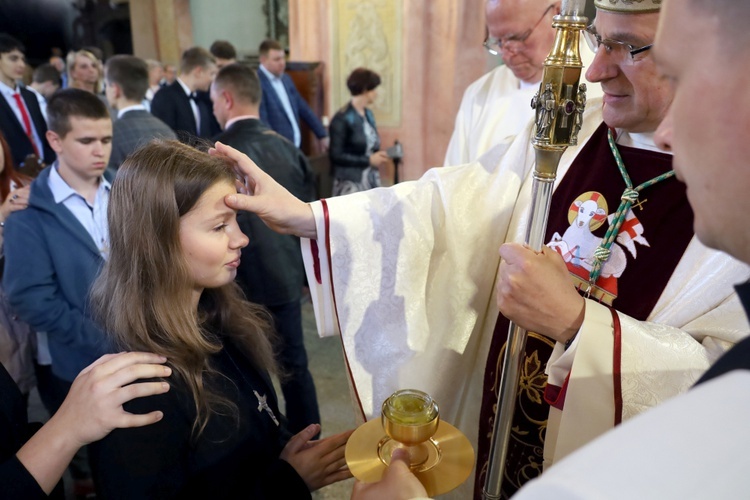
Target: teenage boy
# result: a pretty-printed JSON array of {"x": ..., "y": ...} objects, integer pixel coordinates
[{"x": 55, "y": 247}]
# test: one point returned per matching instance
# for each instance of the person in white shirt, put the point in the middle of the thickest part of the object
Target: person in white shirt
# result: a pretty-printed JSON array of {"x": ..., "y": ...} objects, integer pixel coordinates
[{"x": 496, "y": 106}]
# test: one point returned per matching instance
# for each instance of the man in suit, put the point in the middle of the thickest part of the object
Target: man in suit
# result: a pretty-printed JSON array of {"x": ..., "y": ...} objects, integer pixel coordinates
[
  {"x": 21, "y": 119},
  {"x": 127, "y": 82},
  {"x": 282, "y": 107},
  {"x": 45, "y": 82},
  {"x": 271, "y": 270},
  {"x": 178, "y": 105}
]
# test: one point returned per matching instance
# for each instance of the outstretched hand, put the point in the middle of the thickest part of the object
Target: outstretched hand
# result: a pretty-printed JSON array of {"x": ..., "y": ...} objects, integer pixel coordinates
[
  {"x": 534, "y": 291},
  {"x": 259, "y": 193},
  {"x": 319, "y": 463},
  {"x": 397, "y": 483}
]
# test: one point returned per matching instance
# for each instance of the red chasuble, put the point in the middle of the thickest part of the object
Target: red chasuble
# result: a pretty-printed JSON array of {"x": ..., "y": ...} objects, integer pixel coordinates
[{"x": 649, "y": 246}]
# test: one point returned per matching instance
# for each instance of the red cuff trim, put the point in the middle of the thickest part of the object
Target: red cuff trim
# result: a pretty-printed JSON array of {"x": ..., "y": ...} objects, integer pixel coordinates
[
  {"x": 327, "y": 223},
  {"x": 316, "y": 261},
  {"x": 617, "y": 366},
  {"x": 555, "y": 396}
]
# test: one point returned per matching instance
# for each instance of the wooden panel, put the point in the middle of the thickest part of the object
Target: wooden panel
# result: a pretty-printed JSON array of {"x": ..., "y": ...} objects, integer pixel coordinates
[{"x": 308, "y": 78}]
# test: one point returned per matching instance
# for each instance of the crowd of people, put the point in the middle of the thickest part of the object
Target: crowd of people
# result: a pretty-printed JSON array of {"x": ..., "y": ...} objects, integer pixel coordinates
[{"x": 185, "y": 204}]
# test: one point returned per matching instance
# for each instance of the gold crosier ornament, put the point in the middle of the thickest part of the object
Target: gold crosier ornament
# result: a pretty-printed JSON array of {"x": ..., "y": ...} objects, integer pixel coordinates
[{"x": 558, "y": 107}]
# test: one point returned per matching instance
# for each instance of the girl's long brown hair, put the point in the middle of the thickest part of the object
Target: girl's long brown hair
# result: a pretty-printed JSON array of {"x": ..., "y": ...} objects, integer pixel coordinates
[
  {"x": 143, "y": 296},
  {"x": 9, "y": 174}
]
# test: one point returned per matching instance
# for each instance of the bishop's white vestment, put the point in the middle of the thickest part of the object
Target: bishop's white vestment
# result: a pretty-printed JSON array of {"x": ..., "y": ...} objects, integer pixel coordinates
[{"x": 406, "y": 275}]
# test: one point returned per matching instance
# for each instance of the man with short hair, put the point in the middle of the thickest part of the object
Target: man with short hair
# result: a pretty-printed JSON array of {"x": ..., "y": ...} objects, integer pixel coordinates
[
  {"x": 56, "y": 246},
  {"x": 271, "y": 270},
  {"x": 282, "y": 107},
  {"x": 127, "y": 81},
  {"x": 625, "y": 307},
  {"x": 45, "y": 82},
  {"x": 21, "y": 119},
  {"x": 224, "y": 53},
  {"x": 178, "y": 105},
  {"x": 496, "y": 106}
]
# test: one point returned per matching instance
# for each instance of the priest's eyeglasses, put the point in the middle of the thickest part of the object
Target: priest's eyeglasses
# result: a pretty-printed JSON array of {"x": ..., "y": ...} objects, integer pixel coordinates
[
  {"x": 620, "y": 52},
  {"x": 511, "y": 42}
]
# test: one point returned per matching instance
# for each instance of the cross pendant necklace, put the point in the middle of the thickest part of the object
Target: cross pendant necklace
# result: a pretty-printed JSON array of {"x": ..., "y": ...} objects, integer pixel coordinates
[
  {"x": 262, "y": 400},
  {"x": 263, "y": 405}
]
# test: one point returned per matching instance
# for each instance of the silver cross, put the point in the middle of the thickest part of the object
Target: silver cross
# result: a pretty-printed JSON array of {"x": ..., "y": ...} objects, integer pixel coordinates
[{"x": 263, "y": 405}]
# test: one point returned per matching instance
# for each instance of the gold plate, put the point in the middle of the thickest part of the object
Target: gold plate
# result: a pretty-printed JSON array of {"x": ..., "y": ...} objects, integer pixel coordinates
[{"x": 454, "y": 456}]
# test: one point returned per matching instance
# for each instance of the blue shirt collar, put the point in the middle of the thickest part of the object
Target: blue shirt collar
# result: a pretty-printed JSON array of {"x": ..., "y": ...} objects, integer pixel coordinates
[
  {"x": 61, "y": 191},
  {"x": 268, "y": 74}
]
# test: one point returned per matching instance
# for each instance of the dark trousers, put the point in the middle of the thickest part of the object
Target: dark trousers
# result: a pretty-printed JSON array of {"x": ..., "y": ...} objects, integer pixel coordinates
[{"x": 297, "y": 383}]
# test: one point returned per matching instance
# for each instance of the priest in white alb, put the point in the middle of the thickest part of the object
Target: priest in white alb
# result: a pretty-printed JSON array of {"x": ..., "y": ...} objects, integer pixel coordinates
[{"x": 496, "y": 105}]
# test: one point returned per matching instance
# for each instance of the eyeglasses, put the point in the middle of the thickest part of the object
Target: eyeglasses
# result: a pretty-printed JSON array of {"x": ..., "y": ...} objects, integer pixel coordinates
[
  {"x": 496, "y": 45},
  {"x": 620, "y": 52}
]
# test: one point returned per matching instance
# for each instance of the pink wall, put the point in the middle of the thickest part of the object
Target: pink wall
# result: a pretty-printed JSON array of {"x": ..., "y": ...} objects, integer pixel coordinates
[{"x": 442, "y": 55}]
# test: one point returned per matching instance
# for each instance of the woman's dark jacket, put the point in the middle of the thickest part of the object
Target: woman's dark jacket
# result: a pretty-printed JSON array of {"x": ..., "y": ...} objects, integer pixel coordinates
[{"x": 348, "y": 143}]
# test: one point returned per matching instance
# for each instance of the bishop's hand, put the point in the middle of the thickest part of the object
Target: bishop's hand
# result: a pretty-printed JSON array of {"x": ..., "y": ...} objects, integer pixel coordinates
[{"x": 534, "y": 291}]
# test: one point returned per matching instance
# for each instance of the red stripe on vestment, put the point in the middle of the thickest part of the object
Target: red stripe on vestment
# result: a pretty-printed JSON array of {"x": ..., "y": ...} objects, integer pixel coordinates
[
  {"x": 316, "y": 261},
  {"x": 327, "y": 223},
  {"x": 617, "y": 366}
]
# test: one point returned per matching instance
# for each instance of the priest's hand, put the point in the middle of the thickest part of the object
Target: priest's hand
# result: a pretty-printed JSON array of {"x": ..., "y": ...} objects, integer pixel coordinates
[
  {"x": 259, "y": 193},
  {"x": 534, "y": 291},
  {"x": 319, "y": 463},
  {"x": 398, "y": 482}
]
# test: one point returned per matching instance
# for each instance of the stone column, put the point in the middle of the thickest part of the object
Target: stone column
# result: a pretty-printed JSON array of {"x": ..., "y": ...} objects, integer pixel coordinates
[{"x": 162, "y": 29}]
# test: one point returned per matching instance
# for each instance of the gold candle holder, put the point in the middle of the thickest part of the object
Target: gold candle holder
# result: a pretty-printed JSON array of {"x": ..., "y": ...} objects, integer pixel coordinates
[{"x": 410, "y": 419}]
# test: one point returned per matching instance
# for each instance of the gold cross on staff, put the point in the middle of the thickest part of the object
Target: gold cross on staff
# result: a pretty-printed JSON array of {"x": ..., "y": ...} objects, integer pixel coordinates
[
  {"x": 639, "y": 204},
  {"x": 263, "y": 405}
]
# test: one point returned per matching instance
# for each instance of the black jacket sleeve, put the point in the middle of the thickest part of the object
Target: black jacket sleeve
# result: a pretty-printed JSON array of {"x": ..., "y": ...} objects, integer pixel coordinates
[
  {"x": 16, "y": 483},
  {"x": 343, "y": 149}
]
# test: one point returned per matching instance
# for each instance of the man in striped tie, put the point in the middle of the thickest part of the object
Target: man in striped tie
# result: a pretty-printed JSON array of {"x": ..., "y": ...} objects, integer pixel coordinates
[{"x": 21, "y": 118}]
